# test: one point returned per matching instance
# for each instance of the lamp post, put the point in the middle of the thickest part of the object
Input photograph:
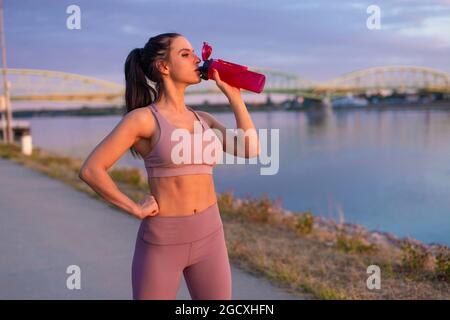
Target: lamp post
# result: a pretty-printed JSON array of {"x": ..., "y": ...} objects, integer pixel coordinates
[{"x": 7, "y": 129}]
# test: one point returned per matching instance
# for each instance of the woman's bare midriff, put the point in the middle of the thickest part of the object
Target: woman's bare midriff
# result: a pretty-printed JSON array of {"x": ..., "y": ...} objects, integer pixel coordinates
[{"x": 183, "y": 195}]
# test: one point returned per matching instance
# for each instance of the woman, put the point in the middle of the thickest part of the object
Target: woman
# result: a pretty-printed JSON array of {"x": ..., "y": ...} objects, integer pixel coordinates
[{"x": 181, "y": 229}]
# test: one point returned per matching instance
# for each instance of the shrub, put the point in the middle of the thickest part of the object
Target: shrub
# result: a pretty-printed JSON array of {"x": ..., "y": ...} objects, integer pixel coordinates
[
  {"x": 353, "y": 244},
  {"x": 257, "y": 210},
  {"x": 414, "y": 258},
  {"x": 8, "y": 151},
  {"x": 304, "y": 223},
  {"x": 442, "y": 269},
  {"x": 127, "y": 175},
  {"x": 225, "y": 201}
]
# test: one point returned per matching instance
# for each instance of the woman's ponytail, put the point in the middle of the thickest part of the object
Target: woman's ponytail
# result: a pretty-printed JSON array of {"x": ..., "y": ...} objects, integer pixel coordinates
[
  {"x": 138, "y": 93},
  {"x": 140, "y": 68}
]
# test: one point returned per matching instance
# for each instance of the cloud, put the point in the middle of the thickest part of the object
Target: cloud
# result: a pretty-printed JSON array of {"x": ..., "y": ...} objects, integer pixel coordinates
[
  {"x": 318, "y": 39},
  {"x": 437, "y": 28},
  {"x": 130, "y": 29}
]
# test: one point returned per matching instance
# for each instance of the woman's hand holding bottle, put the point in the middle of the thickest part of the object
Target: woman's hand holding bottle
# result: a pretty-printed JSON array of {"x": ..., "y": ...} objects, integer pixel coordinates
[{"x": 228, "y": 90}]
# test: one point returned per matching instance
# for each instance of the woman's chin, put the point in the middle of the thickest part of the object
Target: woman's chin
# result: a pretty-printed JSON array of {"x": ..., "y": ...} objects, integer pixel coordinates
[{"x": 195, "y": 81}]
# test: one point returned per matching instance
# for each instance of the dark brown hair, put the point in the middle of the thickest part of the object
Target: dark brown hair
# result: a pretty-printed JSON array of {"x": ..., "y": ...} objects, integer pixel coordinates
[{"x": 140, "y": 67}]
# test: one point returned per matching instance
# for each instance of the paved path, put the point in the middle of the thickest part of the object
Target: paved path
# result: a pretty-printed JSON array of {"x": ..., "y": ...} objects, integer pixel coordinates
[{"x": 46, "y": 225}]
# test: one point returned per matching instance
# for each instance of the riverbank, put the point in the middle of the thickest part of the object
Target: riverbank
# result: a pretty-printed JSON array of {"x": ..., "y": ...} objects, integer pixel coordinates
[
  {"x": 115, "y": 111},
  {"x": 225, "y": 107},
  {"x": 303, "y": 253}
]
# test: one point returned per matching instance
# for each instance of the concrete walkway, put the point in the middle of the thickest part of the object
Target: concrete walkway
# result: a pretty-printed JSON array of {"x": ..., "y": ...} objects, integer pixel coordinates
[{"x": 46, "y": 226}]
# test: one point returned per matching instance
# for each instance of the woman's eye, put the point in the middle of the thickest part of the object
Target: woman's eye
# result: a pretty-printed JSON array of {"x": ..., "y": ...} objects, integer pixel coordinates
[{"x": 185, "y": 55}]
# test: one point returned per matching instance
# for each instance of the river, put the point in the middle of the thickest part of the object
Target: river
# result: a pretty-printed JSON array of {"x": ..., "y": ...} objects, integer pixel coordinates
[{"x": 385, "y": 169}]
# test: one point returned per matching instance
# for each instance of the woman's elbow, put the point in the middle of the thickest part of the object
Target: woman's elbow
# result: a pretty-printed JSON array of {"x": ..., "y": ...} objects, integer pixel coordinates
[
  {"x": 83, "y": 173},
  {"x": 86, "y": 172}
]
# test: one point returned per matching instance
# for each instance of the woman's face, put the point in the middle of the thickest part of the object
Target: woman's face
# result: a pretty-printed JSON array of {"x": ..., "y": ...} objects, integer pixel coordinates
[{"x": 183, "y": 63}]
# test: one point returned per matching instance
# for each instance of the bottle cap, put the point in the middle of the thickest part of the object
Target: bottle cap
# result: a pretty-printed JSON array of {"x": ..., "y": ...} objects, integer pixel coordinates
[{"x": 206, "y": 51}]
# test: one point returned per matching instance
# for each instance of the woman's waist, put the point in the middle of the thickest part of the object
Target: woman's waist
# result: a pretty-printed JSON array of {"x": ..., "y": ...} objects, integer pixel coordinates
[
  {"x": 181, "y": 229},
  {"x": 183, "y": 195}
]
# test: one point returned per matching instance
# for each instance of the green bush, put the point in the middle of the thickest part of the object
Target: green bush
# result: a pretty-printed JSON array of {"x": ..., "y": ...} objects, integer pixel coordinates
[
  {"x": 353, "y": 244},
  {"x": 127, "y": 175},
  {"x": 225, "y": 201},
  {"x": 442, "y": 269},
  {"x": 304, "y": 223},
  {"x": 257, "y": 210},
  {"x": 413, "y": 258},
  {"x": 8, "y": 151}
]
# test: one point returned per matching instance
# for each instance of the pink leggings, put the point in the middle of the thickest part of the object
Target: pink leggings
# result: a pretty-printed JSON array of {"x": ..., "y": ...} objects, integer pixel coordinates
[{"x": 194, "y": 245}]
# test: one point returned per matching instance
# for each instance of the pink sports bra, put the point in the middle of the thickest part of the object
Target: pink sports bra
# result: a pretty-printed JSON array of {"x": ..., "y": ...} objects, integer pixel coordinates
[{"x": 159, "y": 161}]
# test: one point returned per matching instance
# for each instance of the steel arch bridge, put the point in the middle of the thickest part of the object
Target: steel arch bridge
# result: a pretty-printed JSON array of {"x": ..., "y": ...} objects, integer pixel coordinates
[
  {"x": 399, "y": 78},
  {"x": 46, "y": 85}
]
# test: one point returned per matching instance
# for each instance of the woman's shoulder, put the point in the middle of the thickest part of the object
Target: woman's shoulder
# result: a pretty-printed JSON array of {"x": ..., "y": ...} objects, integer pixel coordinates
[
  {"x": 209, "y": 118},
  {"x": 143, "y": 118}
]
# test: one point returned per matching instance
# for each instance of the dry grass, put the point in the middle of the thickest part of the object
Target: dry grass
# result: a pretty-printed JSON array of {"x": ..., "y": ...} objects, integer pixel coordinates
[
  {"x": 303, "y": 264},
  {"x": 288, "y": 250},
  {"x": 327, "y": 265}
]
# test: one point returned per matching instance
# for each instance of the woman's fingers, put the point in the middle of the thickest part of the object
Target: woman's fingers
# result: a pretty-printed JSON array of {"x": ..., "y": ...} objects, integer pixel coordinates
[
  {"x": 227, "y": 89},
  {"x": 222, "y": 85},
  {"x": 216, "y": 77},
  {"x": 149, "y": 206}
]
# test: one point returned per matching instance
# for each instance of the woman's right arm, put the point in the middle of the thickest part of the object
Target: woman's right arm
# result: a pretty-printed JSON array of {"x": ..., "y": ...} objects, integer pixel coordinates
[{"x": 135, "y": 125}]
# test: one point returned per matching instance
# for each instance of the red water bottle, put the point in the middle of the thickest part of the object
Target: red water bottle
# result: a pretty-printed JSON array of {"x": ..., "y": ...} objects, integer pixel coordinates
[{"x": 234, "y": 74}]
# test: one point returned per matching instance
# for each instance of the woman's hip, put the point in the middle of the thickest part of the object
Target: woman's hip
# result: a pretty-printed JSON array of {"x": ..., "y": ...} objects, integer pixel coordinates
[{"x": 173, "y": 229}]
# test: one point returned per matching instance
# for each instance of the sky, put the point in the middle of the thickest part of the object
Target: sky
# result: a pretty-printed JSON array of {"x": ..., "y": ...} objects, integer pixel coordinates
[{"x": 317, "y": 40}]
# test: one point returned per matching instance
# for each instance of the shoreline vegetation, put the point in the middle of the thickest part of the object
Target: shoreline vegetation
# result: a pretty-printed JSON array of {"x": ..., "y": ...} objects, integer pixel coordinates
[{"x": 310, "y": 256}]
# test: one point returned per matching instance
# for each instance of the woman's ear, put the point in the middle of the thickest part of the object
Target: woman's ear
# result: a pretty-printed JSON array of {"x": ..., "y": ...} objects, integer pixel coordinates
[{"x": 162, "y": 67}]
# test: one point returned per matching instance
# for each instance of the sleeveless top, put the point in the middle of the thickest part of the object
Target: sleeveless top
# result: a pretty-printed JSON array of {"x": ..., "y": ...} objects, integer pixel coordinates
[{"x": 180, "y": 152}]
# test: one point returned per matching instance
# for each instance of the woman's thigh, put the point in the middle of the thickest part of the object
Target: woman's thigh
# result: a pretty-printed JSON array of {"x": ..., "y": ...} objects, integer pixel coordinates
[
  {"x": 208, "y": 275},
  {"x": 157, "y": 269}
]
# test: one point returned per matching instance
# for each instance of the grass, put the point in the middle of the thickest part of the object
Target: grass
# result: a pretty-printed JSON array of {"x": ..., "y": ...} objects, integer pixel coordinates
[
  {"x": 304, "y": 223},
  {"x": 130, "y": 176},
  {"x": 354, "y": 244},
  {"x": 414, "y": 258},
  {"x": 289, "y": 250},
  {"x": 442, "y": 270}
]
